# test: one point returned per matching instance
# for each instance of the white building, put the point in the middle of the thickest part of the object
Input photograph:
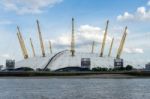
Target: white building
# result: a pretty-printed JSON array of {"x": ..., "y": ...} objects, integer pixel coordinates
[{"x": 64, "y": 59}]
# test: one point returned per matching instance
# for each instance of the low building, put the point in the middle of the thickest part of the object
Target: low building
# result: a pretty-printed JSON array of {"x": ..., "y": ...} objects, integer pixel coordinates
[
  {"x": 147, "y": 66},
  {"x": 1, "y": 66}
]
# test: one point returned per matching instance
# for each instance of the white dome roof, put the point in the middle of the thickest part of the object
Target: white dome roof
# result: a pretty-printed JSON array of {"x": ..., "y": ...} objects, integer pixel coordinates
[{"x": 65, "y": 59}]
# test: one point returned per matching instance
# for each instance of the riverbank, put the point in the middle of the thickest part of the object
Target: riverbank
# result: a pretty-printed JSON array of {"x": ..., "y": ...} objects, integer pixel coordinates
[{"x": 91, "y": 74}]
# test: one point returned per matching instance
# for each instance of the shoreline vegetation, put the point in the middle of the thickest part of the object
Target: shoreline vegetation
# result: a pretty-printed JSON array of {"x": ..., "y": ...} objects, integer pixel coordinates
[
  {"x": 97, "y": 72},
  {"x": 85, "y": 74}
]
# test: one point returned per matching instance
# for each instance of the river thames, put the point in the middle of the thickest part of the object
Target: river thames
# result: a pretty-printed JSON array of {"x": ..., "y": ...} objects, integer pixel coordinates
[{"x": 76, "y": 88}]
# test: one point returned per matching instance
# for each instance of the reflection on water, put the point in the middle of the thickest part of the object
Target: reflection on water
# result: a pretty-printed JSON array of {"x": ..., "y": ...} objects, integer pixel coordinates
[{"x": 52, "y": 88}]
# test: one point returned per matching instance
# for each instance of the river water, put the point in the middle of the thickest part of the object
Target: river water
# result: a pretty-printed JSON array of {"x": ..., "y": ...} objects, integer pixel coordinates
[{"x": 77, "y": 88}]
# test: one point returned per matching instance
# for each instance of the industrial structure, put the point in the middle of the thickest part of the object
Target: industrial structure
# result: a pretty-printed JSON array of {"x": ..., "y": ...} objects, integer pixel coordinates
[
  {"x": 10, "y": 64},
  {"x": 71, "y": 58},
  {"x": 147, "y": 66}
]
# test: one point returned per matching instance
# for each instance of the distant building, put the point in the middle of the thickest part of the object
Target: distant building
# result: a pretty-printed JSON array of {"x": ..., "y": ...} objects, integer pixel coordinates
[
  {"x": 1, "y": 66},
  {"x": 118, "y": 63},
  {"x": 147, "y": 66},
  {"x": 10, "y": 64}
]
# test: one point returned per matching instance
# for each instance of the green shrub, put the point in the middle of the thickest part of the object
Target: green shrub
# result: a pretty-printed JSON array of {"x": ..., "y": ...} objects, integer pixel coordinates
[
  {"x": 100, "y": 69},
  {"x": 129, "y": 67}
]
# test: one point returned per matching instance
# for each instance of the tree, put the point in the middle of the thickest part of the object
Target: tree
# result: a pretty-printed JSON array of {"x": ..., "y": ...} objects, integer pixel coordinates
[{"x": 129, "y": 67}]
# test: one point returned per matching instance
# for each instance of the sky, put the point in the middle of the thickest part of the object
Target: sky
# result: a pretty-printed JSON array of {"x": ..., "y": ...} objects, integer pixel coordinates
[{"x": 90, "y": 22}]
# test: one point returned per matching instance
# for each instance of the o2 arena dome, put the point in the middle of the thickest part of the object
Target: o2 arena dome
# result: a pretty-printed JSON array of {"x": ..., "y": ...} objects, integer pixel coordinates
[
  {"x": 64, "y": 59},
  {"x": 71, "y": 58}
]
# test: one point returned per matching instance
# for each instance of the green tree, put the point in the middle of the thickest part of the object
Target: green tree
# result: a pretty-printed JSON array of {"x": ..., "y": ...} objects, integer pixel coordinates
[{"x": 129, "y": 67}]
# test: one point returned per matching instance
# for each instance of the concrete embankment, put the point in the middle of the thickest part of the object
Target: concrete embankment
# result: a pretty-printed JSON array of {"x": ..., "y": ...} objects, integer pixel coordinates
[{"x": 123, "y": 74}]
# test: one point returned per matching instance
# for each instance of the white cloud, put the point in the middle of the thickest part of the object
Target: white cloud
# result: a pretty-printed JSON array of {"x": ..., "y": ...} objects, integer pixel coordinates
[
  {"x": 63, "y": 40},
  {"x": 89, "y": 29},
  {"x": 134, "y": 50},
  {"x": 148, "y": 3},
  {"x": 139, "y": 50},
  {"x": 84, "y": 35},
  {"x": 88, "y": 32},
  {"x": 28, "y": 6},
  {"x": 141, "y": 10},
  {"x": 91, "y": 33},
  {"x": 5, "y": 56},
  {"x": 5, "y": 22},
  {"x": 125, "y": 16},
  {"x": 141, "y": 14}
]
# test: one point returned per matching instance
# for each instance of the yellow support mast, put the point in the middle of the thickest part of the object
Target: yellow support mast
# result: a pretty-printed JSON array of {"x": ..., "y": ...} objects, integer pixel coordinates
[
  {"x": 22, "y": 43},
  {"x": 33, "y": 51},
  {"x": 93, "y": 45},
  {"x": 41, "y": 40},
  {"x": 104, "y": 39},
  {"x": 120, "y": 49},
  {"x": 50, "y": 47},
  {"x": 72, "y": 40},
  {"x": 110, "y": 50}
]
